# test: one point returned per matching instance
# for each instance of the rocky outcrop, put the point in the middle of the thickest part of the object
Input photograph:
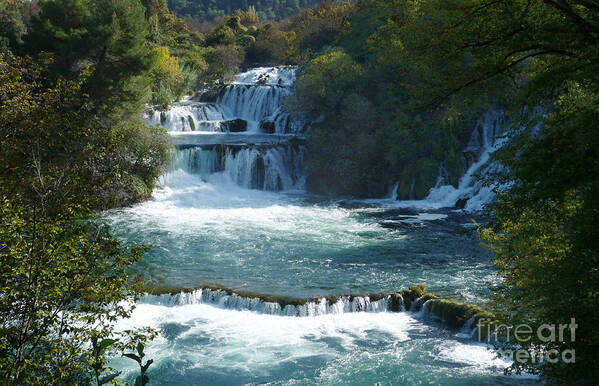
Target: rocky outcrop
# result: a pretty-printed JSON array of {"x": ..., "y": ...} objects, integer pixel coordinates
[
  {"x": 192, "y": 124},
  {"x": 235, "y": 125},
  {"x": 210, "y": 94},
  {"x": 456, "y": 314},
  {"x": 267, "y": 127}
]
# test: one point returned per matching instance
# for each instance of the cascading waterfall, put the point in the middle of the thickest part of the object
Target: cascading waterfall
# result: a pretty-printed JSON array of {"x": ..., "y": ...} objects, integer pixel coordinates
[
  {"x": 252, "y": 102},
  {"x": 316, "y": 307},
  {"x": 189, "y": 116},
  {"x": 211, "y": 221},
  {"x": 488, "y": 136},
  {"x": 254, "y": 97},
  {"x": 253, "y": 139}
]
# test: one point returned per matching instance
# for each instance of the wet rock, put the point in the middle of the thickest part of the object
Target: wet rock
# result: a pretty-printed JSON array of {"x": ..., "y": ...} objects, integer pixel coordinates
[
  {"x": 410, "y": 295},
  {"x": 267, "y": 127},
  {"x": 461, "y": 203},
  {"x": 395, "y": 302},
  {"x": 455, "y": 314},
  {"x": 210, "y": 94},
  {"x": 235, "y": 125}
]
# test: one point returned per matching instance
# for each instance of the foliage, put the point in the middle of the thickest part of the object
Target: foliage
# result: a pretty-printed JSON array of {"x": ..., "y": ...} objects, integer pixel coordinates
[
  {"x": 544, "y": 233},
  {"x": 166, "y": 69},
  {"x": 163, "y": 96},
  {"x": 315, "y": 91},
  {"x": 167, "y": 77},
  {"x": 385, "y": 132},
  {"x": 135, "y": 156},
  {"x": 270, "y": 45},
  {"x": 64, "y": 278},
  {"x": 142, "y": 379},
  {"x": 12, "y": 26},
  {"x": 62, "y": 281},
  {"x": 224, "y": 61},
  {"x": 545, "y": 236},
  {"x": 208, "y": 10},
  {"x": 321, "y": 26},
  {"x": 105, "y": 36}
]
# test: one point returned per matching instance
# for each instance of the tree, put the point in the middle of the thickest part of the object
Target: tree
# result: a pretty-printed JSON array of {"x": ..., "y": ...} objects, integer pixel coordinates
[
  {"x": 166, "y": 75},
  {"x": 544, "y": 233},
  {"x": 109, "y": 37},
  {"x": 12, "y": 26},
  {"x": 272, "y": 45},
  {"x": 315, "y": 91},
  {"x": 224, "y": 61},
  {"x": 64, "y": 278}
]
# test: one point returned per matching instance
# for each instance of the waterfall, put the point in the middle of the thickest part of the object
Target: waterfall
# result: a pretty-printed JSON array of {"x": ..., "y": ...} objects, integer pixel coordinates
[
  {"x": 252, "y": 167},
  {"x": 254, "y": 97},
  {"x": 487, "y": 137},
  {"x": 312, "y": 307},
  {"x": 189, "y": 116},
  {"x": 252, "y": 103},
  {"x": 246, "y": 133}
]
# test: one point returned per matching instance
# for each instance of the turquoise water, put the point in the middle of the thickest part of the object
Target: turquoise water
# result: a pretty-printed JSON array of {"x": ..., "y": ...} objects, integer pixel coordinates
[
  {"x": 292, "y": 244},
  {"x": 208, "y": 228},
  {"x": 297, "y": 245},
  {"x": 203, "y": 344}
]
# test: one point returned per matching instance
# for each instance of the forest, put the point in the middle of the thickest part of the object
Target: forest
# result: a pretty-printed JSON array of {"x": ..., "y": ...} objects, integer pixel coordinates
[
  {"x": 196, "y": 12},
  {"x": 394, "y": 89}
]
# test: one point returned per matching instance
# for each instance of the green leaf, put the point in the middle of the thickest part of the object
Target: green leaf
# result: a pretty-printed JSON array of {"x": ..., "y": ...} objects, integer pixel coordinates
[
  {"x": 133, "y": 356},
  {"x": 104, "y": 344},
  {"x": 140, "y": 349}
]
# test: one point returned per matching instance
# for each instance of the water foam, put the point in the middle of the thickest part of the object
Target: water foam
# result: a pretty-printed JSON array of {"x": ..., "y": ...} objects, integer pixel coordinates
[
  {"x": 316, "y": 307},
  {"x": 200, "y": 343}
]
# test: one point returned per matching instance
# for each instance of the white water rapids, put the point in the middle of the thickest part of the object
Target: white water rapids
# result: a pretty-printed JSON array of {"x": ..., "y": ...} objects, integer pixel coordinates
[{"x": 232, "y": 212}]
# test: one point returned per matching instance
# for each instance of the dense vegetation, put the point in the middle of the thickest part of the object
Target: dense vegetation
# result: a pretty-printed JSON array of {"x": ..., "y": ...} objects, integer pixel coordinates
[
  {"x": 206, "y": 10},
  {"x": 74, "y": 78},
  {"x": 383, "y": 129}
]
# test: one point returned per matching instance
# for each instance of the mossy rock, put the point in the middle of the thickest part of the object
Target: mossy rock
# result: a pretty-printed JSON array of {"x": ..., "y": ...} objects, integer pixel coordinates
[
  {"x": 486, "y": 320},
  {"x": 454, "y": 164},
  {"x": 455, "y": 314},
  {"x": 404, "y": 187},
  {"x": 426, "y": 175},
  {"x": 461, "y": 203},
  {"x": 395, "y": 302},
  {"x": 411, "y": 294},
  {"x": 192, "y": 124}
]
